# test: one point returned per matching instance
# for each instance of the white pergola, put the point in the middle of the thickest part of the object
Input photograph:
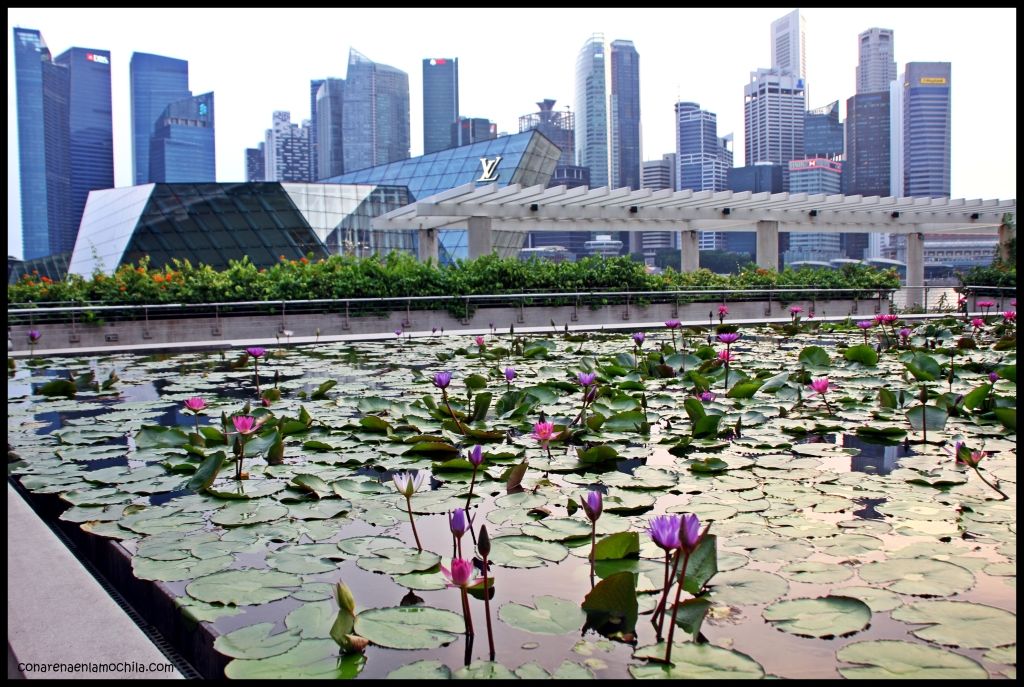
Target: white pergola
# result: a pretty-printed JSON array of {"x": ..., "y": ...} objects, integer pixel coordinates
[{"x": 536, "y": 208}]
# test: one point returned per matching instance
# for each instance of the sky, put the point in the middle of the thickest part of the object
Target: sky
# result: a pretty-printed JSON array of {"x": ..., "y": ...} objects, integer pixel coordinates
[{"x": 257, "y": 61}]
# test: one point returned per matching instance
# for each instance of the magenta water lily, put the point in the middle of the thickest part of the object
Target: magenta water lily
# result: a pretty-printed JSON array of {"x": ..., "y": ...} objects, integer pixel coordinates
[
  {"x": 194, "y": 405},
  {"x": 821, "y": 386},
  {"x": 255, "y": 352},
  {"x": 244, "y": 426},
  {"x": 460, "y": 575}
]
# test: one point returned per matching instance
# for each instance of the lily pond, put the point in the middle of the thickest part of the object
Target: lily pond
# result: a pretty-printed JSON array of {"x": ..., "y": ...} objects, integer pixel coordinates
[{"x": 860, "y": 526}]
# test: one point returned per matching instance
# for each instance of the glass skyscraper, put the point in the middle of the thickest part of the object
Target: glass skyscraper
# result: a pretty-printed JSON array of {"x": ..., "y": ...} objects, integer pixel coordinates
[
  {"x": 329, "y": 148},
  {"x": 65, "y": 139},
  {"x": 440, "y": 102},
  {"x": 592, "y": 111},
  {"x": 156, "y": 82},
  {"x": 876, "y": 66},
  {"x": 182, "y": 148},
  {"x": 926, "y": 129},
  {"x": 375, "y": 118},
  {"x": 703, "y": 159},
  {"x": 625, "y": 116}
]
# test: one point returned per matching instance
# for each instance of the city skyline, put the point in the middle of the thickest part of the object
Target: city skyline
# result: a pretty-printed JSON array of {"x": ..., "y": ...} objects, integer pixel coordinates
[{"x": 501, "y": 83}]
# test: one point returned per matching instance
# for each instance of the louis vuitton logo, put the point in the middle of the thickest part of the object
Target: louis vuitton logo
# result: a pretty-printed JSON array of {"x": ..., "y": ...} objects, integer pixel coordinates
[{"x": 489, "y": 168}]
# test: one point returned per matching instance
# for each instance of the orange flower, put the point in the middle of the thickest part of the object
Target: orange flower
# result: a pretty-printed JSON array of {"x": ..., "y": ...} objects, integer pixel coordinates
[
  {"x": 158, "y": 278},
  {"x": 122, "y": 288},
  {"x": 45, "y": 279},
  {"x": 304, "y": 260}
]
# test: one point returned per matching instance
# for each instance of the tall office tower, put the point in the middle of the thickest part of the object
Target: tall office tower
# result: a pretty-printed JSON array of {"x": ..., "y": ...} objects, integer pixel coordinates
[
  {"x": 287, "y": 150},
  {"x": 330, "y": 145},
  {"x": 926, "y": 129},
  {"x": 375, "y": 119},
  {"x": 182, "y": 148},
  {"x": 773, "y": 109},
  {"x": 468, "y": 130},
  {"x": 625, "y": 116},
  {"x": 814, "y": 175},
  {"x": 761, "y": 177},
  {"x": 876, "y": 67},
  {"x": 704, "y": 159},
  {"x": 866, "y": 170},
  {"x": 440, "y": 102},
  {"x": 156, "y": 82},
  {"x": 65, "y": 139},
  {"x": 558, "y": 127},
  {"x": 314, "y": 129},
  {"x": 657, "y": 175},
  {"x": 255, "y": 163},
  {"x": 823, "y": 132},
  {"x": 789, "y": 45},
  {"x": 591, "y": 111}
]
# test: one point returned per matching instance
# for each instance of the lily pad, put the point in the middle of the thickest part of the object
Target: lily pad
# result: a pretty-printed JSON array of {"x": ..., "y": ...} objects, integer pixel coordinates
[
  {"x": 550, "y": 615},
  {"x": 242, "y": 587},
  {"x": 887, "y": 659},
  {"x": 743, "y": 586},
  {"x": 525, "y": 552},
  {"x": 830, "y": 616},
  {"x": 409, "y": 627},
  {"x": 421, "y": 670},
  {"x": 309, "y": 659},
  {"x": 256, "y": 641},
  {"x": 398, "y": 561},
  {"x": 961, "y": 623},
  {"x": 692, "y": 661},
  {"x": 918, "y": 576}
]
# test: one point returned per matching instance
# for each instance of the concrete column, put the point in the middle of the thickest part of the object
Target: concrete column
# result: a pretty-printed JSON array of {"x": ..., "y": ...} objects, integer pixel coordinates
[
  {"x": 479, "y": 237},
  {"x": 1007, "y": 232},
  {"x": 427, "y": 245},
  {"x": 768, "y": 245},
  {"x": 689, "y": 250},
  {"x": 915, "y": 269}
]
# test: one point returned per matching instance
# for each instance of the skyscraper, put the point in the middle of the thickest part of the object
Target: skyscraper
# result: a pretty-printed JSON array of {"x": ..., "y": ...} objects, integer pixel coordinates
[
  {"x": 375, "y": 119},
  {"x": 823, "y": 132},
  {"x": 876, "y": 66},
  {"x": 255, "y": 163},
  {"x": 773, "y": 109},
  {"x": 182, "y": 148},
  {"x": 314, "y": 129},
  {"x": 65, "y": 139},
  {"x": 156, "y": 82},
  {"x": 440, "y": 102},
  {"x": 926, "y": 129},
  {"x": 330, "y": 146},
  {"x": 558, "y": 127},
  {"x": 789, "y": 45},
  {"x": 815, "y": 175},
  {"x": 704, "y": 159},
  {"x": 656, "y": 175},
  {"x": 592, "y": 111},
  {"x": 287, "y": 150},
  {"x": 468, "y": 130},
  {"x": 625, "y": 116}
]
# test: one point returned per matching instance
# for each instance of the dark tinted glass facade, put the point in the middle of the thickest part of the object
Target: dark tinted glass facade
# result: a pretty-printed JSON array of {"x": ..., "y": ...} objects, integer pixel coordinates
[
  {"x": 926, "y": 129},
  {"x": 90, "y": 130},
  {"x": 375, "y": 120},
  {"x": 866, "y": 171},
  {"x": 182, "y": 147},
  {"x": 527, "y": 159},
  {"x": 625, "y": 115},
  {"x": 756, "y": 179},
  {"x": 30, "y": 54},
  {"x": 330, "y": 152},
  {"x": 440, "y": 102},
  {"x": 823, "y": 132},
  {"x": 156, "y": 82}
]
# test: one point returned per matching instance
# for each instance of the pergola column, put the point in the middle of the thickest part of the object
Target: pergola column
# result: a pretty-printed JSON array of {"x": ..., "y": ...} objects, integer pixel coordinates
[
  {"x": 768, "y": 245},
  {"x": 689, "y": 250},
  {"x": 479, "y": 237},
  {"x": 1007, "y": 233},
  {"x": 915, "y": 269},
  {"x": 427, "y": 249}
]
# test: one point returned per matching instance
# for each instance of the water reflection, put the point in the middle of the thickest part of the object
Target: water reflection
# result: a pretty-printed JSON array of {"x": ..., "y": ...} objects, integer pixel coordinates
[{"x": 877, "y": 459}]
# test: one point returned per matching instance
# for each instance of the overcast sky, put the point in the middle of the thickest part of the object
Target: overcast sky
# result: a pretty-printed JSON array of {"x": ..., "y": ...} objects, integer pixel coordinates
[{"x": 260, "y": 60}]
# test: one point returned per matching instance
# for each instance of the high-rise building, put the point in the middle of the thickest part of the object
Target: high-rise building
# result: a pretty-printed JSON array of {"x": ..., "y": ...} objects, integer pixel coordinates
[
  {"x": 867, "y": 167},
  {"x": 156, "y": 82},
  {"x": 375, "y": 118},
  {"x": 182, "y": 147},
  {"x": 814, "y": 175},
  {"x": 926, "y": 129},
  {"x": 761, "y": 177},
  {"x": 255, "y": 163},
  {"x": 440, "y": 102},
  {"x": 823, "y": 132},
  {"x": 625, "y": 115},
  {"x": 657, "y": 175},
  {"x": 703, "y": 159},
  {"x": 65, "y": 139},
  {"x": 330, "y": 145},
  {"x": 774, "y": 107},
  {"x": 558, "y": 127},
  {"x": 789, "y": 45},
  {"x": 314, "y": 129},
  {"x": 592, "y": 111},
  {"x": 876, "y": 66},
  {"x": 286, "y": 153},
  {"x": 468, "y": 130}
]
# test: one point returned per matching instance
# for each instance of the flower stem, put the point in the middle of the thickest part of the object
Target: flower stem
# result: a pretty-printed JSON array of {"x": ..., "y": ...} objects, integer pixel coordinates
[
  {"x": 593, "y": 539},
  {"x": 458, "y": 423},
  {"x": 408, "y": 504},
  {"x": 256, "y": 372},
  {"x": 465, "y": 612},
  {"x": 982, "y": 477},
  {"x": 487, "y": 612},
  {"x": 664, "y": 594},
  {"x": 241, "y": 458},
  {"x": 675, "y": 608}
]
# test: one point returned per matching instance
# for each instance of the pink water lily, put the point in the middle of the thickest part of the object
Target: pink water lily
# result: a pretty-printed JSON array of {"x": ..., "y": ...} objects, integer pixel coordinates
[
  {"x": 728, "y": 338},
  {"x": 256, "y": 351},
  {"x": 245, "y": 424},
  {"x": 1010, "y": 315},
  {"x": 986, "y": 304},
  {"x": 480, "y": 341},
  {"x": 460, "y": 574},
  {"x": 821, "y": 386},
  {"x": 725, "y": 356},
  {"x": 977, "y": 323},
  {"x": 195, "y": 404},
  {"x": 543, "y": 432},
  {"x": 723, "y": 310},
  {"x": 795, "y": 310}
]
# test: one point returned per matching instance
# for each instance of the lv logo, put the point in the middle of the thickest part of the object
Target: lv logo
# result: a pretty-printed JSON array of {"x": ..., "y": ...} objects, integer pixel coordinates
[{"x": 489, "y": 168}]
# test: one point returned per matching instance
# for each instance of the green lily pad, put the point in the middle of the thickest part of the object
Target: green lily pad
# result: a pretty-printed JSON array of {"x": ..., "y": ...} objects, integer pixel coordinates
[
  {"x": 525, "y": 552},
  {"x": 918, "y": 576},
  {"x": 249, "y": 512},
  {"x": 309, "y": 659},
  {"x": 550, "y": 615},
  {"x": 830, "y": 616},
  {"x": 242, "y": 587},
  {"x": 887, "y": 659},
  {"x": 398, "y": 561},
  {"x": 816, "y": 571},
  {"x": 256, "y": 641},
  {"x": 363, "y": 546},
  {"x": 313, "y": 620},
  {"x": 181, "y": 569},
  {"x": 484, "y": 670},
  {"x": 692, "y": 661},
  {"x": 743, "y": 586},
  {"x": 879, "y": 600},
  {"x": 409, "y": 627},
  {"x": 961, "y": 623},
  {"x": 422, "y": 670}
]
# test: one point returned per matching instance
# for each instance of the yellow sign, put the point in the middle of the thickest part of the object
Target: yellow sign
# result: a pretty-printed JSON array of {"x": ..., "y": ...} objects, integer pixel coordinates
[{"x": 933, "y": 79}]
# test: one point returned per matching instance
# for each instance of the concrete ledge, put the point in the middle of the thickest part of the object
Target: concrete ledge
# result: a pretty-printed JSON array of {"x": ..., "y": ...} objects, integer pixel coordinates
[{"x": 57, "y": 613}]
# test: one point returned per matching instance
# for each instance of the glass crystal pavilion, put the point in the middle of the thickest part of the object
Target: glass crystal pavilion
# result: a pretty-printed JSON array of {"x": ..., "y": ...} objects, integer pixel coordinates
[{"x": 213, "y": 223}]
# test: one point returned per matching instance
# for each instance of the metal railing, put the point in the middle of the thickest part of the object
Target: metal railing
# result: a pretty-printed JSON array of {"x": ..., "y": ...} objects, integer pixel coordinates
[{"x": 459, "y": 306}]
